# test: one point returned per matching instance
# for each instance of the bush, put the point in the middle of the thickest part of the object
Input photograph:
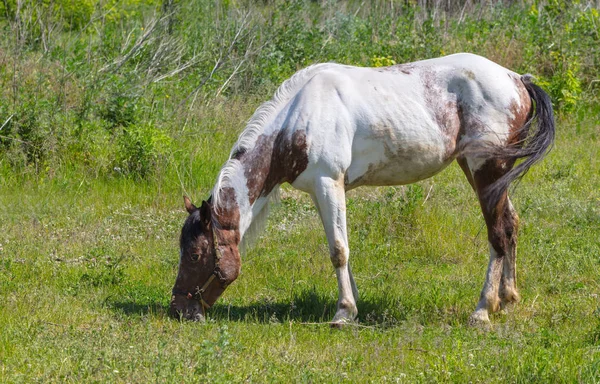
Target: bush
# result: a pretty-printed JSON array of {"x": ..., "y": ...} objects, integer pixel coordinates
[
  {"x": 94, "y": 86},
  {"x": 142, "y": 148}
]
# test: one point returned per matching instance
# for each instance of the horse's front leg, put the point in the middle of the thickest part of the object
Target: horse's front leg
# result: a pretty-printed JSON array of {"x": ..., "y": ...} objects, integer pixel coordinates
[{"x": 330, "y": 198}]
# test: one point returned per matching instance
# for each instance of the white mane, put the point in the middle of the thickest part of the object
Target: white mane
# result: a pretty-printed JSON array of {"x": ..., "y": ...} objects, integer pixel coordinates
[
  {"x": 261, "y": 118},
  {"x": 232, "y": 173}
]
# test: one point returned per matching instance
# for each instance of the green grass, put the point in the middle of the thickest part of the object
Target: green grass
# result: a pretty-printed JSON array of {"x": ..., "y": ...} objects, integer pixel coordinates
[
  {"x": 87, "y": 266},
  {"x": 96, "y": 151}
]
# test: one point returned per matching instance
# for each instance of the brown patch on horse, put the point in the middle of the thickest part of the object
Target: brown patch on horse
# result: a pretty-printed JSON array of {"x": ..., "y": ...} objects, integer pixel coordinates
[
  {"x": 338, "y": 256},
  {"x": 275, "y": 159},
  {"x": 228, "y": 213},
  {"x": 502, "y": 225},
  {"x": 290, "y": 159},
  {"x": 445, "y": 109},
  {"x": 521, "y": 110},
  {"x": 227, "y": 237},
  {"x": 406, "y": 69},
  {"x": 470, "y": 74}
]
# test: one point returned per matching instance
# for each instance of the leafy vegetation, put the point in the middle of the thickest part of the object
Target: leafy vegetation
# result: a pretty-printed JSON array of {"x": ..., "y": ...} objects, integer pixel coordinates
[
  {"x": 113, "y": 88},
  {"x": 110, "y": 110}
]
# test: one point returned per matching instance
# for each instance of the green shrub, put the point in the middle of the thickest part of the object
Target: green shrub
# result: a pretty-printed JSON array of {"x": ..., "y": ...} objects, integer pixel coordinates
[
  {"x": 380, "y": 61},
  {"x": 564, "y": 86},
  {"x": 118, "y": 104},
  {"x": 141, "y": 148},
  {"x": 85, "y": 82}
]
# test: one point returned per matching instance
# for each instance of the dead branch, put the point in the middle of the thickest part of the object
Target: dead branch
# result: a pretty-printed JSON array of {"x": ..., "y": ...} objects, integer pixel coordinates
[
  {"x": 6, "y": 122},
  {"x": 141, "y": 41},
  {"x": 220, "y": 61},
  {"x": 193, "y": 61},
  {"x": 235, "y": 70}
]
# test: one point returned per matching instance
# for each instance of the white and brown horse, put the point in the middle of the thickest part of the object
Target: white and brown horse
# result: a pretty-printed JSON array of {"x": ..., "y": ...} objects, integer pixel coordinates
[{"x": 331, "y": 128}]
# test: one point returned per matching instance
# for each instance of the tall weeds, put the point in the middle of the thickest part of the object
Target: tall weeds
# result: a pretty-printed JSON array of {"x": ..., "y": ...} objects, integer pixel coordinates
[{"x": 113, "y": 88}]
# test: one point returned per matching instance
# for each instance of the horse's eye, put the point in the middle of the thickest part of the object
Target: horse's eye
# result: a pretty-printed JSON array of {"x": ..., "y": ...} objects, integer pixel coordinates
[{"x": 195, "y": 256}]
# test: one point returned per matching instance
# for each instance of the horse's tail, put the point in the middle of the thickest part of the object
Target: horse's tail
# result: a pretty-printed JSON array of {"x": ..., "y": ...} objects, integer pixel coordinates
[{"x": 537, "y": 142}]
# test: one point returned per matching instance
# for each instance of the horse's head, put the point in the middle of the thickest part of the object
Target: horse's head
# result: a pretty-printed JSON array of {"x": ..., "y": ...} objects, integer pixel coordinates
[{"x": 202, "y": 277}]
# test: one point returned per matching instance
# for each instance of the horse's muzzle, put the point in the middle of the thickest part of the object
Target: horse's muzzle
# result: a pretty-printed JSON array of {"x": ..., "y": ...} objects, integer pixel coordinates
[{"x": 182, "y": 308}]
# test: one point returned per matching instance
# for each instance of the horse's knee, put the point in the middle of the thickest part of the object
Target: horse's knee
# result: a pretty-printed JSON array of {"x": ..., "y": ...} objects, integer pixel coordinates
[{"x": 339, "y": 255}]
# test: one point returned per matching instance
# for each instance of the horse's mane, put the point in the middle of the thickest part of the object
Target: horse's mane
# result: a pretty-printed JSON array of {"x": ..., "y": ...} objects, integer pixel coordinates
[
  {"x": 262, "y": 117},
  {"x": 257, "y": 123}
]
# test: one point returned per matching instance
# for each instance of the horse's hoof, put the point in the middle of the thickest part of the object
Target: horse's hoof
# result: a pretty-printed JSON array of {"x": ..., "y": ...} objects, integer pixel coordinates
[
  {"x": 480, "y": 319},
  {"x": 343, "y": 317},
  {"x": 336, "y": 325},
  {"x": 340, "y": 323}
]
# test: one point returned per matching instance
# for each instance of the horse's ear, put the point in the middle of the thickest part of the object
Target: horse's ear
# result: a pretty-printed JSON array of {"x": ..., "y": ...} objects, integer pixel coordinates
[
  {"x": 205, "y": 213},
  {"x": 188, "y": 205}
]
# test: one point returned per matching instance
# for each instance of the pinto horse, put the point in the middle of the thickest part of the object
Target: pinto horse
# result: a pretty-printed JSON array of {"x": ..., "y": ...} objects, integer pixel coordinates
[{"x": 331, "y": 128}]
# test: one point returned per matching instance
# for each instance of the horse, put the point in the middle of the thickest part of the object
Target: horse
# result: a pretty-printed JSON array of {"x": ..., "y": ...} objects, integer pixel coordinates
[{"x": 331, "y": 128}]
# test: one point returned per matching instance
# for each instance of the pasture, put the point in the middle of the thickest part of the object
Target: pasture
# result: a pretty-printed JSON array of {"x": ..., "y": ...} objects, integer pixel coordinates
[{"x": 94, "y": 160}]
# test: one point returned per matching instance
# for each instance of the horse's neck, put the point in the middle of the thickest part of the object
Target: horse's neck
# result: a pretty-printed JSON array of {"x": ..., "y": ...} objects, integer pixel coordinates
[{"x": 244, "y": 195}]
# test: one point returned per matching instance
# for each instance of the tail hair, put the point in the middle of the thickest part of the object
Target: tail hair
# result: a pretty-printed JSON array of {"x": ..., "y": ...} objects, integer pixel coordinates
[{"x": 538, "y": 139}]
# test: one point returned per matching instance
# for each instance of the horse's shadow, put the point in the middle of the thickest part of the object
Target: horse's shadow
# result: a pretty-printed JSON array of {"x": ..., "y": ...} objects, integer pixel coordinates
[
  {"x": 305, "y": 306},
  {"x": 131, "y": 308}
]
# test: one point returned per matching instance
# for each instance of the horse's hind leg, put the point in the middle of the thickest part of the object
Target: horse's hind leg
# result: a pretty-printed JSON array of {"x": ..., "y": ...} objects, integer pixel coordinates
[
  {"x": 502, "y": 223},
  {"x": 508, "y": 283},
  {"x": 330, "y": 198}
]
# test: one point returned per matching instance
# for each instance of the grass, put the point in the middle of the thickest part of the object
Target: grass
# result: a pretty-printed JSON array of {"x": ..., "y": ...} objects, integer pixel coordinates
[
  {"x": 87, "y": 266},
  {"x": 102, "y": 131}
]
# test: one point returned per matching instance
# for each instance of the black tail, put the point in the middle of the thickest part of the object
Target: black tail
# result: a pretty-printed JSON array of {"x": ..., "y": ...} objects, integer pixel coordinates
[{"x": 538, "y": 139}]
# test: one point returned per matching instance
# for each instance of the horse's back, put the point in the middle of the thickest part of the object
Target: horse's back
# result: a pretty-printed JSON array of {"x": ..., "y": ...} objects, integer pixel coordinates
[{"x": 400, "y": 124}]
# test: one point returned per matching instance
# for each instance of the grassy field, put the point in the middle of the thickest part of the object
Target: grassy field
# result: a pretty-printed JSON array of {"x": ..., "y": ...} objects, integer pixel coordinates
[
  {"x": 89, "y": 222},
  {"x": 87, "y": 267}
]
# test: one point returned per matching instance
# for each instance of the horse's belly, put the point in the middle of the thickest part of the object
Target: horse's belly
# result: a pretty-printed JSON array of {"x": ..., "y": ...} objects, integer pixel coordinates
[{"x": 389, "y": 162}]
